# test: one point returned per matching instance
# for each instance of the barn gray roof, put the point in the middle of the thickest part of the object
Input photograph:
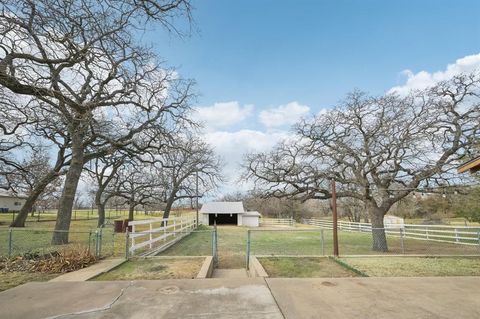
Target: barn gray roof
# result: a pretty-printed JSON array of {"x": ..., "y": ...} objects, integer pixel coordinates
[
  {"x": 4, "y": 193},
  {"x": 223, "y": 208},
  {"x": 252, "y": 213}
]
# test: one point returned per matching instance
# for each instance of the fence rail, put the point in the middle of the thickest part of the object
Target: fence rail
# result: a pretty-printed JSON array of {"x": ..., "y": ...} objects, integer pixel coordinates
[
  {"x": 146, "y": 233},
  {"x": 277, "y": 222},
  {"x": 464, "y": 235}
]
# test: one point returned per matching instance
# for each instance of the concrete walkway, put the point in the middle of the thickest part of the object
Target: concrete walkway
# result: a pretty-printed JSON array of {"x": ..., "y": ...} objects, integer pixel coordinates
[
  {"x": 252, "y": 298},
  {"x": 393, "y": 298},
  {"x": 229, "y": 273},
  {"x": 167, "y": 299},
  {"x": 91, "y": 271}
]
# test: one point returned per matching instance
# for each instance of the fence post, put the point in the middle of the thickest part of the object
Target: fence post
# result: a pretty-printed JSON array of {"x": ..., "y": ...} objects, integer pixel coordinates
[
  {"x": 213, "y": 244},
  {"x": 164, "y": 230},
  {"x": 426, "y": 232},
  {"x": 126, "y": 244},
  {"x": 248, "y": 250},
  {"x": 456, "y": 235},
  {"x": 96, "y": 243},
  {"x": 401, "y": 241},
  {"x": 216, "y": 242},
  {"x": 151, "y": 237},
  {"x": 10, "y": 243},
  {"x": 113, "y": 243},
  {"x": 100, "y": 239},
  {"x": 89, "y": 240},
  {"x": 174, "y": 227},
  {"x": 323, "y": 242}
]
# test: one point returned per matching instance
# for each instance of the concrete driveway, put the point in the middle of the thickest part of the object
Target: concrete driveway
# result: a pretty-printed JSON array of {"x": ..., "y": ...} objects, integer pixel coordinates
[{"x": 252, "y": 298}]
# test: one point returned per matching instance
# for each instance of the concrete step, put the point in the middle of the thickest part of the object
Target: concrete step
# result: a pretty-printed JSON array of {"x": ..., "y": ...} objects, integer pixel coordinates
[
  {"x": 91, "y": 271},
  {"x": 230, "y": 273}
]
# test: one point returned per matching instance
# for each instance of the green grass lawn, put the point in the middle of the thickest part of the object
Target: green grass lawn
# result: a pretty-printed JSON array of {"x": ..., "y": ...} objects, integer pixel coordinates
[
  {"x": 298, "y": 267},
  {"x": 232, "y": 245},
  {"x": 154, "y": 269},
  {"x": 415, "y": 266},
  {"x": 12, "y": 279}
]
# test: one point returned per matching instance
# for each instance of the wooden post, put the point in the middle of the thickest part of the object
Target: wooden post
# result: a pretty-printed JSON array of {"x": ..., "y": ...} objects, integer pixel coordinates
[
  {"x": 151, "y": 236},
  {"x": 164, "y": 229},
  {"x": 133, "y": 236},
  {"x": 196, "y": 199},
  {"x": 335, "y": 219}
]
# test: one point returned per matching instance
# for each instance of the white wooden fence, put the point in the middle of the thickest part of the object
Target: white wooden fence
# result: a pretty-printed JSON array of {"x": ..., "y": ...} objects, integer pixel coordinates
[
  {"x": 465, "y": 235},
  {"x": 147, "y": 233},
  {"x": 277, "y": 221}
]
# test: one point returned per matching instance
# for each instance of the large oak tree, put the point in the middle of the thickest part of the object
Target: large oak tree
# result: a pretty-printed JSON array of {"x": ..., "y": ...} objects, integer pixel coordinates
[
  {"x": 378, "y": 149},
  {"x": 82, "y": 59}
]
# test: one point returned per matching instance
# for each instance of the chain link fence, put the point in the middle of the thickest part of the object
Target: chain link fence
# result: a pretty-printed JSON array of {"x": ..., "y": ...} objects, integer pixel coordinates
[
  {"x": 287, "y": 242},
  {"x": 318, "y": 241},
  {"x": 37, "y": 242},
  {"x": 198, "y": 242}
]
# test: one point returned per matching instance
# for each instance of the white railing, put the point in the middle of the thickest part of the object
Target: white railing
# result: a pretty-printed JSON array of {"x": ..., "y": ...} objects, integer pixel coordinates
[
  {"x": 465, "y": 235},
  {"x": 277, "y": 221},
  {"x": 148, "y": 232}
]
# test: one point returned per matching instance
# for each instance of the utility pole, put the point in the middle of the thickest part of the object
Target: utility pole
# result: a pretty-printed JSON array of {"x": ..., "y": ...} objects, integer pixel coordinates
[
  {"x": 335, "y": 219},
  {"x": 196, "y": 197}
]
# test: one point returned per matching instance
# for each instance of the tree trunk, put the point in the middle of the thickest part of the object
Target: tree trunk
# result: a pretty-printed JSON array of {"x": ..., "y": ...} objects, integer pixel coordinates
[
  {"x": 168, "y": 207},
  {"x": 378, "y": 231},
  {"x": 31, "y": 199},
  {"x": 101, "y": 214},
  {"x": 64, "y": 214},
  {"x": 131, "y": 211}
]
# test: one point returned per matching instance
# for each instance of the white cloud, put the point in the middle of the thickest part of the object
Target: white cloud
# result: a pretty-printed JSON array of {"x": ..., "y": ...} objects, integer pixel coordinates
[
  {"x": 424, "y": 79},
  {"x": 222, "y": 114},
  {"x": 232, "y": 146},
  {"x": 287, "y": 114}
]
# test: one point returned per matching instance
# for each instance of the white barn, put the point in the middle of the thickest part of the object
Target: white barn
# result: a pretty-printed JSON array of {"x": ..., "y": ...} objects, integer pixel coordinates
[
  {"x": 10, "y": 202},
  {"x": 228, "y": 213}
]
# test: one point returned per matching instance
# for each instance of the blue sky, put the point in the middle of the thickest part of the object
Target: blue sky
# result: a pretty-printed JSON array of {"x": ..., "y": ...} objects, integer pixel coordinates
[
  {"x": 268, "y": 53},
  {"x": 260, "y": 65}
]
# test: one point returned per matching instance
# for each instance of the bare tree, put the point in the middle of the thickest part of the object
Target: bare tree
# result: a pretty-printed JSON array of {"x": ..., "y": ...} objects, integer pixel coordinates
[
  {"x": 38, "y": 180},
  {"x": 82, "y": 60},
  {"x": 138, "y": 185},
  {"x": 104, "y": 174},
  {"x": 45, "y": 134},
  {"x": 181, "y": 164},
  {"x": 379, "y": 149}
]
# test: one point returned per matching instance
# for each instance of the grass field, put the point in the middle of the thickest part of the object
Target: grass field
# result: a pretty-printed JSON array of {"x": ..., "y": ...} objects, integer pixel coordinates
[
  {"x": 36, "y": 236},
  {"x": 415, "y": 266},
  {"x": 47, "y": 219},
  {"x": 12, "y": 279},
  {"x": 232, "y": 245},
  {"x": 295, "y": 267},
  {"x": 154, "y": 269}
]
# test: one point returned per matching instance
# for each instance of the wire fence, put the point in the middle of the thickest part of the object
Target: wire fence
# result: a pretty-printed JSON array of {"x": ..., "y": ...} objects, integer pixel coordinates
[
  {"x": 197, "y": 242},
  {"x": 318, "y": 241},
  {"x": 37, "y": 242}
]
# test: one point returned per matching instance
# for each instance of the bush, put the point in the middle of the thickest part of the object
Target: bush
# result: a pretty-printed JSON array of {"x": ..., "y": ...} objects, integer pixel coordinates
[{"x": 65, "y": 260}]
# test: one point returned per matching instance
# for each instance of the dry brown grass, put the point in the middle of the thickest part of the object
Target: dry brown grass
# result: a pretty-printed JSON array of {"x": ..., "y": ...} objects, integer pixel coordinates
[{"x": 66, "y": 259}]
